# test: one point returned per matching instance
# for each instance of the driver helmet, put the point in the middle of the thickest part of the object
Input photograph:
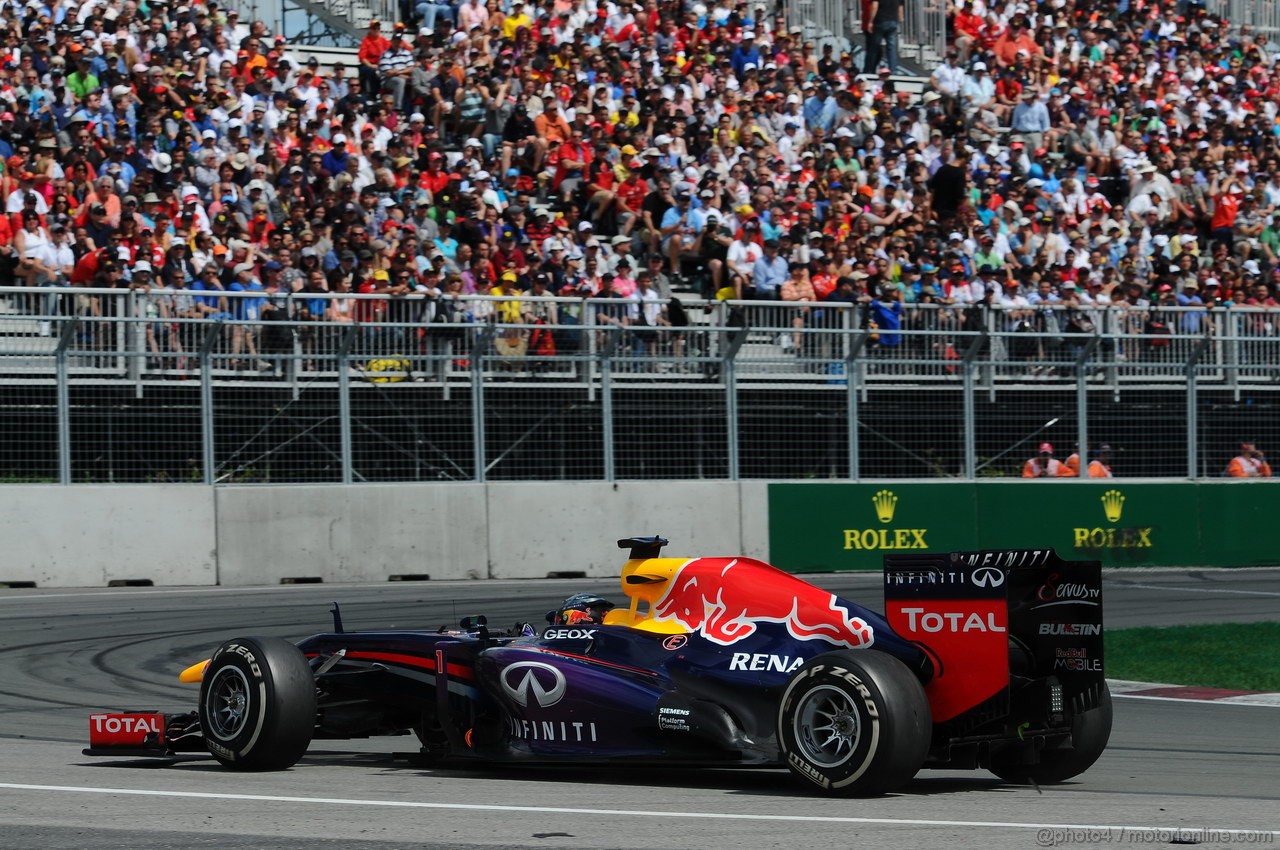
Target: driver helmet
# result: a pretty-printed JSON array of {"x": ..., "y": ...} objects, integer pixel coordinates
[{"x": 580, "y": 608}]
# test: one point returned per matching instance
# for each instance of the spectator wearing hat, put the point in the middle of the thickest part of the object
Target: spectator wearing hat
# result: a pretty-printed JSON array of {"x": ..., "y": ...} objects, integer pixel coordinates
[
  {"x": 949, "y": 79},
  {"x": 372, "y": 46},
  {"x": 1015, "y": 42},
  {"x": 1249, "y": 463},
  {"x": 978, "y": 93},
  {"x": 1100, "y": 466},
  {"x": 1045, "y": 465},
  {"x": 769, "y": 272},
  {"x": 681, "y": 226}
]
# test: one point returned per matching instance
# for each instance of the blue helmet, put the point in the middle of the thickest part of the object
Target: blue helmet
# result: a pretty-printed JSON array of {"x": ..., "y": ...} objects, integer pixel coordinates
[{"x": 580, "y": 608}]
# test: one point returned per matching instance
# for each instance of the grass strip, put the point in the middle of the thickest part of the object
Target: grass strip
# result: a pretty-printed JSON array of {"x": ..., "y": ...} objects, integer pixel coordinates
[{"x": 1243, "y": 656}]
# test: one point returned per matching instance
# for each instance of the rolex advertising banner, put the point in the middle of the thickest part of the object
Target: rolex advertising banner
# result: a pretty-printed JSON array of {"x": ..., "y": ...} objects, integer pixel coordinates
[
  {"x": 826, "y": 527},
  {"x": 1117, "y": 524},
  {"x": 823, "y": 527}
]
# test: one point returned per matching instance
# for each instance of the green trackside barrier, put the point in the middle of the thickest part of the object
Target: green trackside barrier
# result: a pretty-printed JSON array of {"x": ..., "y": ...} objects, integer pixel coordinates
[{"x": 824, "y": 527}]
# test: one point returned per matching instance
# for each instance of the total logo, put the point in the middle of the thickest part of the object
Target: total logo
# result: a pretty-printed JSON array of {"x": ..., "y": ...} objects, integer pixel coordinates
[
  {"x": 956, "y": 622},
  {"x": 525, "y": 679},
  {"x": 128, "y": 724},
  {"x": 885, "y": 504}
]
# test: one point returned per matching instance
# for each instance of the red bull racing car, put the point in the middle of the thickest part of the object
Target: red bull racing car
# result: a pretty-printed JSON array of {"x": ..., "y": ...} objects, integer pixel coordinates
[{"x": 982, "y": 660}]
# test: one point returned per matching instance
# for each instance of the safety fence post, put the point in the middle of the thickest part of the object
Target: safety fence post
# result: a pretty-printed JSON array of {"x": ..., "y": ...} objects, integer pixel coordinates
[
  {"x": 68, "y": 335},
  {"x": 734, "y": 337},
  {"x": 1191, "y": 370},
  {"x": 207, "y": 454},
  {"x": 607, "y": 350},
  {"x": 856, "y": 346},
  {"x": 344, "y": 403},
  {"x": 968, "y": 362},
  {"x": 479, "y": 352},
  {"x": 1082, "y": 401}
]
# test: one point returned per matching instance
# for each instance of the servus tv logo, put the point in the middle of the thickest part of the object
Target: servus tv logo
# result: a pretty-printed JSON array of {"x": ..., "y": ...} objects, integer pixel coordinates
[
  {"x": 1112, "y": 537},
  {"x": 866, "y": 539}
]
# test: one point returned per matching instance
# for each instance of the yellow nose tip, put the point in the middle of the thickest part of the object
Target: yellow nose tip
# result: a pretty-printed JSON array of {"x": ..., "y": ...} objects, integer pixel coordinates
[{"x": 194, "y": 673}]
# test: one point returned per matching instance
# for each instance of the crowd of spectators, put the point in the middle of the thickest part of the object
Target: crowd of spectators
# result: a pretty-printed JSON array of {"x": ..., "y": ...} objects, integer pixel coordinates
[{"x": 1072, "y": 153}]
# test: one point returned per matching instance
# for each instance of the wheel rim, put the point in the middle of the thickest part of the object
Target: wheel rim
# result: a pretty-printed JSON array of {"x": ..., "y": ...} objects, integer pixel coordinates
[
  {"x": 827, "y": 726},
  {"x": 227, "y": 704}
]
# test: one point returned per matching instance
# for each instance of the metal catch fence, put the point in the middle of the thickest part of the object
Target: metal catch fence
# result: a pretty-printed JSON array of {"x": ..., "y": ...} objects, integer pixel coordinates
[
  {"x": 922, "y": 37},
  {"x": 113, "y": 386}
]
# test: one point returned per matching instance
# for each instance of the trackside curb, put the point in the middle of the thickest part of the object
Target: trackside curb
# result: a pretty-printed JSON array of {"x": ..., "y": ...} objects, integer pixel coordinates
[{"x": 1191, "y": 693}]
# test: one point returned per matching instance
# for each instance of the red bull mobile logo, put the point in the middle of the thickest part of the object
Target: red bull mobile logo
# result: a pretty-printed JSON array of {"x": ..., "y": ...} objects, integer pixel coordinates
[{"x": 724, "y": 599}]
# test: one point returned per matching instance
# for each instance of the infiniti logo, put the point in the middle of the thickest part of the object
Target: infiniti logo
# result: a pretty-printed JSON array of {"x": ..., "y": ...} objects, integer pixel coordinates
[
  {"x": 543, "y": 681},
  {"x": 988, "y": 577}
]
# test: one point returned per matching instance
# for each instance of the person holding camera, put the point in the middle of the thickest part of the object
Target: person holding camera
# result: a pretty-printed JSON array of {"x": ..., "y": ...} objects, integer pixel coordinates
[{"x": 1250, "y": 463}]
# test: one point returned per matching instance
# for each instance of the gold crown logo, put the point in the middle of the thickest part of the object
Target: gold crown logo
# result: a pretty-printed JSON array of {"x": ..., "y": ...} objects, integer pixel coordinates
[
  {"x": 1113, "y": 504},
  {"x": 885, "y": 503}
]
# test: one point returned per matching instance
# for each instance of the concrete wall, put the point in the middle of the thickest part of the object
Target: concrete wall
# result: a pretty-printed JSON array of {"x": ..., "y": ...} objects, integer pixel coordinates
[
  {"x": 359, "y": 533},
  {"x": 536, "y": 529},
  {"x": 89, "y": 536},
  {"x": 192, "y": 535}
]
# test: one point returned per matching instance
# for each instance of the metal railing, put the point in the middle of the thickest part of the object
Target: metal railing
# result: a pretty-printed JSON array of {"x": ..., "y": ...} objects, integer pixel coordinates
[
  {"x": 334, "y": 23},
  {"x": 114, "y": 385},
  {"x": 1260, "y": 16},
  {"x": 922, "y": 37}
]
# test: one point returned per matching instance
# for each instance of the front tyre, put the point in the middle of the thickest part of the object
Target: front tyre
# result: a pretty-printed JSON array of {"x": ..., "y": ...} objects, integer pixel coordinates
[
  {"x": 854, "y": 722},
  {"x": 1090, "y": 731},
  {"x": 258, "y": 704}
]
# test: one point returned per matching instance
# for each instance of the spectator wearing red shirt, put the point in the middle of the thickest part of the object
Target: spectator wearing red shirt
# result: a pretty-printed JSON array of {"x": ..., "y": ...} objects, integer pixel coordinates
[
  {"x": 571, "y": 160},
  {"x": 372, "y": 46},
  {"x": 1226, "y": 206},
  {"x": 1016, "y": 39},
  {"x": 435, "y": 179},
  {"x": 968, "y": 30}
]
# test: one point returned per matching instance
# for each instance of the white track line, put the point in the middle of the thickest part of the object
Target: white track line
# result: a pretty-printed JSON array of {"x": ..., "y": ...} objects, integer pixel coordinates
[
  {"x": 474, "y": 807},
  {"x": 1258, "y": 700},
  {"x": 1202, "y": 589}
]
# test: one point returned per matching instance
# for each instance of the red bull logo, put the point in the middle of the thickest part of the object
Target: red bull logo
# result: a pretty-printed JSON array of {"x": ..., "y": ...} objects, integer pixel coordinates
[{"x": 724, "y": 599}]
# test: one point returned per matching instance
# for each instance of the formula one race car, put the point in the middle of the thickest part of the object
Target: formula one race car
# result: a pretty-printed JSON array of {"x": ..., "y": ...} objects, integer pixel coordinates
[{"x": 983, "y": 660}]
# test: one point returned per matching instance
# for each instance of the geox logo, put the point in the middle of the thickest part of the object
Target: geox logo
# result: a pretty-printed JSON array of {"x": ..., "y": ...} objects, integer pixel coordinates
[
  {"x": 886, "y": 504},
  {"x": 1112, "y": 538}
]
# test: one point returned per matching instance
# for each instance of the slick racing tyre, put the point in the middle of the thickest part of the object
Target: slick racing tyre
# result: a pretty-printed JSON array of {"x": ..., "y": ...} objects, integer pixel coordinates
[
  {"x": 854, "y": 722},
  {"x": 1089, "y": 733},
  {"x": 257, "y": 704}
]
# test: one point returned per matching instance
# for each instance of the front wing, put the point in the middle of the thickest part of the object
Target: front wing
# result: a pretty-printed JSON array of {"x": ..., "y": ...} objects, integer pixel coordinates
[{"x": 144, "y": 734}]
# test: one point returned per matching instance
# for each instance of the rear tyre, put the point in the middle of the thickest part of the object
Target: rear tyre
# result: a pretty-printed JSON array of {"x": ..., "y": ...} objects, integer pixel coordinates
[
  {"x": 1090, "y": 731},
  {"x": 258, "y": 704},
  {"x": 854, "y": 722}
]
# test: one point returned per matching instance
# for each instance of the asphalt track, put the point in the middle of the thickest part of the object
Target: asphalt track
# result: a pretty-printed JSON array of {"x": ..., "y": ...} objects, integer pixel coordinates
[{"x": 1172, "y": 769}]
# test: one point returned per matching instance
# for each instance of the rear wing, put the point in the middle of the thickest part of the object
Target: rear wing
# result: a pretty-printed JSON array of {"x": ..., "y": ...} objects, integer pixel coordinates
[{"x": 971, "y": 611}]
